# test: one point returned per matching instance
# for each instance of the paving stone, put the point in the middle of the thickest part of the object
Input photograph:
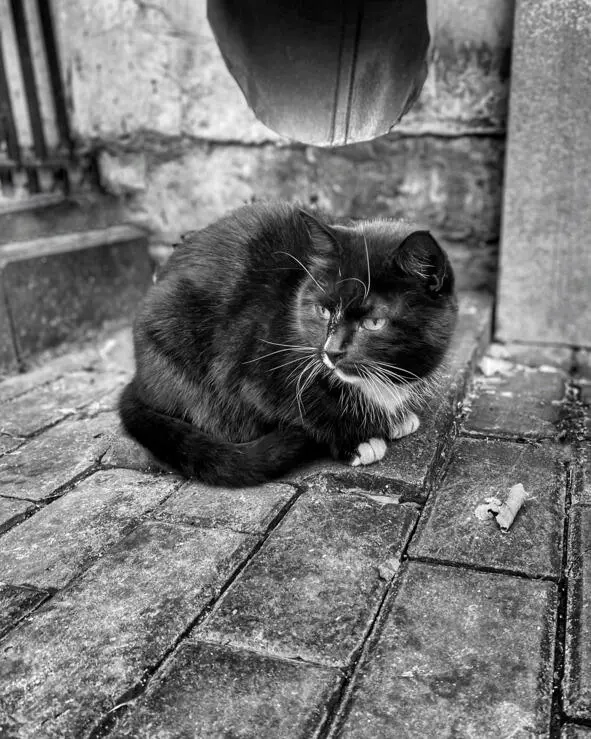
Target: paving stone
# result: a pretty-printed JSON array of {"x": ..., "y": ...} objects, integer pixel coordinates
[
  {"x": 458, "y": 653},
  {"x": 577, "y": 674},
  {"x": 66, "y": 666},
  {"x": 311, "y": 591},
  {"x": 8, "y": 442},
  {"x": 123, "y": 451},
  {"x": 572, "y": 731},
  {"x": 415, "y": 459},
  {"x": 112, "y": 352},
  {"x": 15, "y": 604},
  {"x": 249, "y": 510},
  {"x": 50, "y": 403},
  {"x": 50, "y": 461},
  {"x": 450, "y": 531},
  {"x": 65, "y": 537},
  {"x": 213, "y": 691},
  {"x": 12, "y": 512},
  {"x": 76, "y": 287},
  {"x": 512, "y": 401}
]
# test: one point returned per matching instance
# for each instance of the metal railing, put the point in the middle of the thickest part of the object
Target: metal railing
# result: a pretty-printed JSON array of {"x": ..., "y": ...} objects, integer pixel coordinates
[{"x": 35, "y": 144}]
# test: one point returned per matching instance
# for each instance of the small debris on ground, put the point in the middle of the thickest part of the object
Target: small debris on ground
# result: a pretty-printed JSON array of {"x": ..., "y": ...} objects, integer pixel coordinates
[{"x": 506, "y": 512}]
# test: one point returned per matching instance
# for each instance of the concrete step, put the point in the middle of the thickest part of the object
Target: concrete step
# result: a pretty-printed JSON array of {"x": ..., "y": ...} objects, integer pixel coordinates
[{"x": 64, "y": 272}]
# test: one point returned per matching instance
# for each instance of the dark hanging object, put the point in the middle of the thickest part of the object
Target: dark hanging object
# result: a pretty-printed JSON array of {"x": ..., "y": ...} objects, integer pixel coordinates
[{"x": 325, "y": 72}]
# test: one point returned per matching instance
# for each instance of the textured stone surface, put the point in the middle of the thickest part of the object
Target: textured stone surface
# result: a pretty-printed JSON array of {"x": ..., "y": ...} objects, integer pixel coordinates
[
  {"x": 8, "y": 442},
  {"x": 65, "y": 537},
  {"x": 458, "y": 653},
  {"x": 249, "y": 510},
  {"x": 12, "y": 512},
  {"x": 577, "y": 674},
  {"x": 60, "y": 296},
  {"x": 8, "y": 358},
  {"x": 213, "y": 691},
  {"x": 167, "y": 54},
  {"x": 534, "y": 355},
  {"x": 15, "y": 604},
  {"x": 415, "y": 460},
  {"x": 546, "y": 192},
  {"x": 451, "y": 186},
  {"x": 515, "y": 402},
  {"x": 313, "y": 588},
  {"x": 123, "y": 451},
  {"x": 449, "y": 530},
  {"x": 45, "y": 464},
  {"x": 50, "y": 403},
  {"x": 572, "y": 731},
  {"x": 66, "y": 666},
  {"x": 581, "y": 492}
]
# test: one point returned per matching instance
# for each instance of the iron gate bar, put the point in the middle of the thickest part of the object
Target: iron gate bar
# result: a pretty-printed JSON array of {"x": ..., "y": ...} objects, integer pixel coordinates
[
  {"x": 24, "y": 50},
  {"x": 53, "y": 63},
  {"x": 6, "y": 116}
]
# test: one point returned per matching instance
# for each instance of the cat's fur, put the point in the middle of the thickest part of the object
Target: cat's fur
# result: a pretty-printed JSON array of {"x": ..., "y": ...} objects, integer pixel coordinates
[{"x": 261, "y": 341}]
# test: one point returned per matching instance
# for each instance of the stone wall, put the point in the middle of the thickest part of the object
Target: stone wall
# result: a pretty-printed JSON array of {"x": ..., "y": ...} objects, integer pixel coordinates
[{"x": 149, "y": 92}]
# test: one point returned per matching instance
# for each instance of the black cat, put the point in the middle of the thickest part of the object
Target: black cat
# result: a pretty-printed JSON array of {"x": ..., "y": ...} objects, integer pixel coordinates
[{"x": 273, "y": 334}]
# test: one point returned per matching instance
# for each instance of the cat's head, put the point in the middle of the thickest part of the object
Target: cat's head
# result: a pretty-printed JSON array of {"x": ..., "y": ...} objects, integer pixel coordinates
[{"x": 377, "y": 301}]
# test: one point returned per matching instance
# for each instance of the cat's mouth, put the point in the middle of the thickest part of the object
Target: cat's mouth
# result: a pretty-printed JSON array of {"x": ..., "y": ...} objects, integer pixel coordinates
[{"x": 345, "y": 371}]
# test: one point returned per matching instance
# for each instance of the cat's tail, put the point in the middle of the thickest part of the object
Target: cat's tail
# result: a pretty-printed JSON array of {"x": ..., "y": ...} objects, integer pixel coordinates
[{"x": 188, "y": 450}]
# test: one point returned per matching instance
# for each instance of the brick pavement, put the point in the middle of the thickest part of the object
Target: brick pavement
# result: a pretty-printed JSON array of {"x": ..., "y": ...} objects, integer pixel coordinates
[{"x": 332, "y": 603}]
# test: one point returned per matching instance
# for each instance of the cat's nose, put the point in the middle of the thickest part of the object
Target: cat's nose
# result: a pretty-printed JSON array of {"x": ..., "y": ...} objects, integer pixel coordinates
[{"x": 334, "y": 356}]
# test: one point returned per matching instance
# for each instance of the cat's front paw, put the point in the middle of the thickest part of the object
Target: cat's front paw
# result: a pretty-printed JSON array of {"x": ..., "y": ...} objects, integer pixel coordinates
[
  {"x": 407, "y": 426},
  {"x": 368, "y": 452}
]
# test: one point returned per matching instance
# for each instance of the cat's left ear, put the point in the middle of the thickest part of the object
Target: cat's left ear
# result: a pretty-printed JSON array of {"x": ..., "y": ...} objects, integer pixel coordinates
[
  {"x": 420, "y": 256},
  {"x": 324, "y": 240}
]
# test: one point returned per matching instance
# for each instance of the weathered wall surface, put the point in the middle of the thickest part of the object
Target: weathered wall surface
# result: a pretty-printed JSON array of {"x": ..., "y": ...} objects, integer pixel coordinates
[{"x": 149, "y": 90}]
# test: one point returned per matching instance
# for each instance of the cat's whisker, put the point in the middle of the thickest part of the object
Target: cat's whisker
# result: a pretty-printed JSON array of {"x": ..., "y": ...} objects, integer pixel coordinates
[
  {"x": 368, "y": 269},
  {"x": 289, "y": 346},
  {"x": 301, "y": 388},
  {"x": 304, "y": 268},
  {"x": 292, "y": 361},
  {"x": 356, "y": 279},
  {"x": 270, "y": 354}
]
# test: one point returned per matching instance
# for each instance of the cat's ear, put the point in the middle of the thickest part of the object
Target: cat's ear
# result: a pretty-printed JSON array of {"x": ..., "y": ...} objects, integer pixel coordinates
[
  {"x": 321, "y": 234},
  {"x": 420, "y": 256}
]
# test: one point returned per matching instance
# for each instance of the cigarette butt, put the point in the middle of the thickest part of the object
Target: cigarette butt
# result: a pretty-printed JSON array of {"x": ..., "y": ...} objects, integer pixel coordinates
[{"x": 510, "y": 508}]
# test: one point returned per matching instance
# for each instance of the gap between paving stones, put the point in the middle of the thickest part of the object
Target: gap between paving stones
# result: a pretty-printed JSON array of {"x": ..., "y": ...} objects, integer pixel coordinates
[{"x": 124, "y": 702}]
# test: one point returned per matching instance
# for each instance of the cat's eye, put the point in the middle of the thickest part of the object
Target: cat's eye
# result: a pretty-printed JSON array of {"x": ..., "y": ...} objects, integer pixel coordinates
[
  {"x": 323, "y": 312},
  {"x": 373, "y": 324}
]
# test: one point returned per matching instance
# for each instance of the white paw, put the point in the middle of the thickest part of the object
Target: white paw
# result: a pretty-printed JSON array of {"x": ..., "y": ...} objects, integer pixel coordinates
[
  {"x": 369, "y": 452},
  {"x": 407, "y": 426}
]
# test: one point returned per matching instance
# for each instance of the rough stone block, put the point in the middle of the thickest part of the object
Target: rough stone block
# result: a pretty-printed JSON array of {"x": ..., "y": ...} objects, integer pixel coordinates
[
  {"x": 46, "y": 405},
  {"x": 65, "y": 537},
  {"x": 458, "y": 653},
  {"x": 512, "y": 401},
  {"x": 12, "y": 512},
  {"x": 312, "y": 590},
  {"x": 450, "y": 531},
  {"x": 415, "y": 459},
  {"x": 576, "y": 685},
  {"x": 123, "y": 451},
  {"x": 546, "y": 190},
  {"x": 16, "y": 604},
  {"x": 213, "y": 691},
  {"x": 67, "y": 665},
  {"x": 45, "y": 464},
  {"x": 8, "y": 358},
  {"x": 249, "y": 510},
  {"x": 73, "y": 287}
]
